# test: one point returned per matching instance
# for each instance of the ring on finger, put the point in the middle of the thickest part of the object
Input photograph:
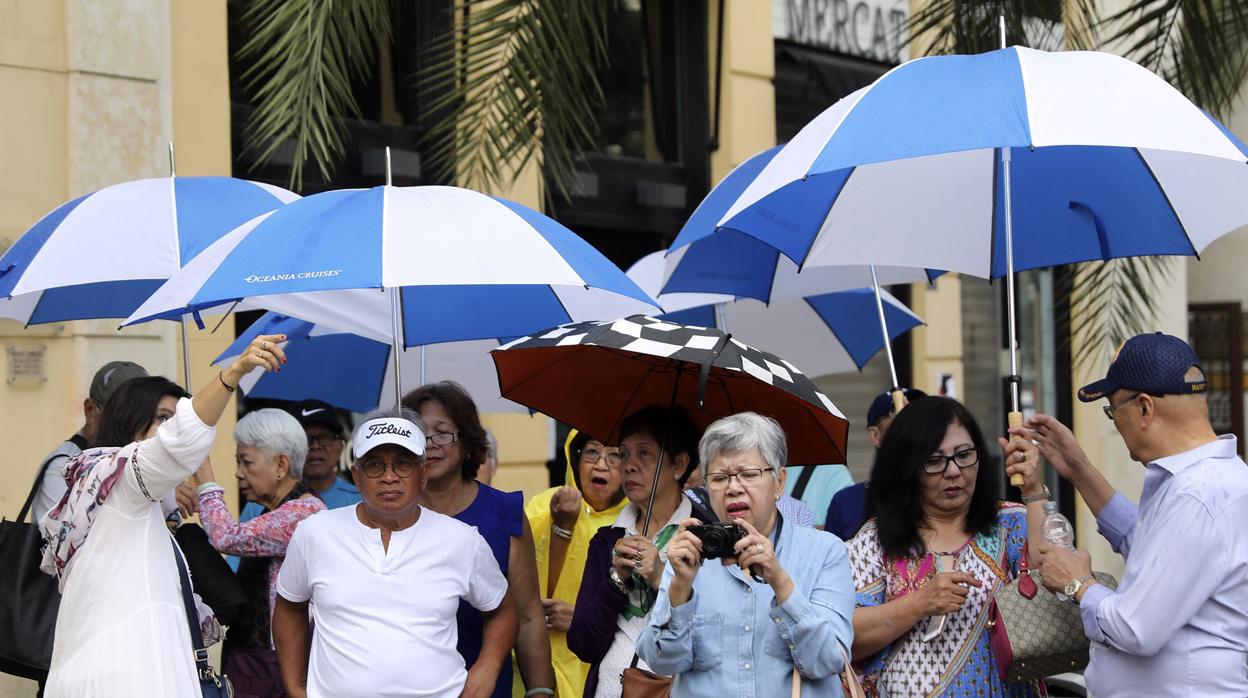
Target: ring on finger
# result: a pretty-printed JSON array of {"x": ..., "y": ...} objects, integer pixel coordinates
[{"x": 758, "y": 547}]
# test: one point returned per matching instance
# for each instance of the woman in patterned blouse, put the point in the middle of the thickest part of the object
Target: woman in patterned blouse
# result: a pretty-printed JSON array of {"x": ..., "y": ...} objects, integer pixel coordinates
[
  {"x": 938, "y": 544},
  {"x": 271, "y": 447}
]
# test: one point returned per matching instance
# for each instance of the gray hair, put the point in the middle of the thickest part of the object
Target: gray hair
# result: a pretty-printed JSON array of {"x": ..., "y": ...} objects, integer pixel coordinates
[
  {"x": 272, "y": 431},
  {"x": 407, "y": 413},
  {"x": 742, "y": 432}
]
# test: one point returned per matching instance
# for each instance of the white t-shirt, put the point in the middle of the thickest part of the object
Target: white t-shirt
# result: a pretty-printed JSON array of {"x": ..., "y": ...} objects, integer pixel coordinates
[{"x": 385, "y": 621}]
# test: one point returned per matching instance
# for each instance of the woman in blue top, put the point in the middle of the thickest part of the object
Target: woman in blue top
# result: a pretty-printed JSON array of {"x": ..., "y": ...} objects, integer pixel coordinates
[
  {"x": 780, "y": 604},
  {"x": 456, "y": 447}
]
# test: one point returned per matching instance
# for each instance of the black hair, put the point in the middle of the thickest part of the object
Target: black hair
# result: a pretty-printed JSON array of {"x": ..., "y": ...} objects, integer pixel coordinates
[
  {"x": 132, "y": 409},
  {"x": 894, "y": 496},
  {"x": 463, "y": 412},
  {"x": 657, "y": 421}
]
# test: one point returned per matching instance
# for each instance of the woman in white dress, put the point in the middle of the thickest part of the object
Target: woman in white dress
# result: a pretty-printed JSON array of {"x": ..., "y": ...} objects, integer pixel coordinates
[{"x": 122, "y": 628}]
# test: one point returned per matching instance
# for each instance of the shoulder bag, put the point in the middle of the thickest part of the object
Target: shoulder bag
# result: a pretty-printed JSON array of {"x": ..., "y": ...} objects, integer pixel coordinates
[
  {"x": 1033, "y": 633},
  {"x": 29, "y": 598},
  {"x": 211, "y": 685}
]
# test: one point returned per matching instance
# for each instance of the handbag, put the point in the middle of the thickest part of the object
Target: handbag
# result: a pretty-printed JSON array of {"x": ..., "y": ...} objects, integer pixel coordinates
[
  {"x": 641, "y": 683},
  {"x": 211, "y": 684},
  {"x": 850, "y": 684},
  {"x": 1033, "y": 634},
  {"x": 29, "y": 598}
]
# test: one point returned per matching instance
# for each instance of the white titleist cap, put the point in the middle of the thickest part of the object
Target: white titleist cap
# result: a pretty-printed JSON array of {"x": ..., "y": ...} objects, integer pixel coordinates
[{"x": 388, "y": 430}]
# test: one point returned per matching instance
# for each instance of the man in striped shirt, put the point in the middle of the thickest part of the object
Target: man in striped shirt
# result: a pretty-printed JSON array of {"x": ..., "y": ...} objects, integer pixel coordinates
[{"x": 1178, "y": 623}]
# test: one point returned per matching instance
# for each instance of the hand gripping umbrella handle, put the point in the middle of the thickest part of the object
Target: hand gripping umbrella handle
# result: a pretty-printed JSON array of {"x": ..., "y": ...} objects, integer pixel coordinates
[{"x": 1015, "y": 420}]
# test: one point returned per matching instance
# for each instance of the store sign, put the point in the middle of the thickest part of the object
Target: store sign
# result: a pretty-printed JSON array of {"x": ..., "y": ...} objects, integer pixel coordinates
[{"x": 871, "y": 29}]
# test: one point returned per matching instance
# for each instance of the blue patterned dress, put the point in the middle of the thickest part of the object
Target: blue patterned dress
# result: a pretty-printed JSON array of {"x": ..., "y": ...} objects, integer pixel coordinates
[{"x": 959, "y": 661}]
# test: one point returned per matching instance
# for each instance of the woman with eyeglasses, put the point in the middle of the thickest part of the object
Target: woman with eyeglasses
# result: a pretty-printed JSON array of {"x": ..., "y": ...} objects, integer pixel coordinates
[
  {"x": 456, "y": 447},
  {"x": 936, "y": 545},
  {"x": 563, "y": 520},
  {"x": 736, "y": 619},
  {"x": 270, "y": 449}
]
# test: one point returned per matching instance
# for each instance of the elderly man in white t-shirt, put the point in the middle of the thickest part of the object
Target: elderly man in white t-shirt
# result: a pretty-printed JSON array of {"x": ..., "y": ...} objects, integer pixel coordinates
[{"x": 383, "y": 580}]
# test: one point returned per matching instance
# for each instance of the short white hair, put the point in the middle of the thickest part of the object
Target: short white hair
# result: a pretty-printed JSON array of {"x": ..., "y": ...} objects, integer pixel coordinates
[
  {"x": 272, "y": 432},
  {"x": 741, "y": 433}
]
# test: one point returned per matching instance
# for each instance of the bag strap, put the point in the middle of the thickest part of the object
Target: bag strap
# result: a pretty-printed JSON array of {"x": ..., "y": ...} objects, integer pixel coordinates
[
  {"x": 803, "y": 480},
  {"x": 202, "y": 666},
  {"x": 34, "y": 487}
]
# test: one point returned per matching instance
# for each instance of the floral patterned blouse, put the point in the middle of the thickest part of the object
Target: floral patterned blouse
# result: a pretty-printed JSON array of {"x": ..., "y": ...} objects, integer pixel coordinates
[
  {"x": 959, "y": 661},
  {"x": 265, "y": 536}
]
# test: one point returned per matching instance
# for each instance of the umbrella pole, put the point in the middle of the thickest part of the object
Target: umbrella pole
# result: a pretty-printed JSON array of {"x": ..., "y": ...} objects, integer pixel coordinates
[
  {"x": 396, "y": 318},
  {"x": 899, "y": 400},
  {"x": 186, "y": 344},
  {"x": 1015, "y": 417},
  {"x": 721, "y": 316},
  {"x": 423, "y": 358},
  {"x": 658, "y": 464}
]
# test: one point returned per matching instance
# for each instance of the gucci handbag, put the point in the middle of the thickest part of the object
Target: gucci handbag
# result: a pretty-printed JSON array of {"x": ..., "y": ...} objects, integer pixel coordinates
[{"x": 1033, "y": 633}]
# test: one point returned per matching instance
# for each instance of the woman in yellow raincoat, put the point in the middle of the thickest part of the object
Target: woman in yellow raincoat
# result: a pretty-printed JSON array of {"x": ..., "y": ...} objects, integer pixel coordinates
[{"x": 563, "y": 519}]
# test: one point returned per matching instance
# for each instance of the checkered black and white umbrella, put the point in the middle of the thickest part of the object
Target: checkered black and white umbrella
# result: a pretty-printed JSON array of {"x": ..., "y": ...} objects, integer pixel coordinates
[{"x": 591, "y": 375}]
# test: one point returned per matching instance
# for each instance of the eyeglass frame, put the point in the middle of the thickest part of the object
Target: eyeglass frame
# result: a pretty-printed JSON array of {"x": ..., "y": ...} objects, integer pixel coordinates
[
  {"x": 323, "y": 441},
  {"x": 619, "y": 459},
  {"x": 946, "y": 460},
  {"x": 429, "y": 440},
  {"x": 392, "y": 467},
  {"x": 1111, "y": 409},
  {"x": 737, "y": 475}
]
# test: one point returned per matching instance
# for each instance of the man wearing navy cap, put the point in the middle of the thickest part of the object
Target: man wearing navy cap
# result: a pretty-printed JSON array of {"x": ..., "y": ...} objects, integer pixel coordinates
[
  {"x": 1178, "y": 623},
  {"x": 847, "y": 510}
]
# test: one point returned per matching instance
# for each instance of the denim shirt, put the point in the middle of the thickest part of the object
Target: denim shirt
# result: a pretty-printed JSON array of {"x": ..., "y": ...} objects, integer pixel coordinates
[{"x": 732, "y": 639}]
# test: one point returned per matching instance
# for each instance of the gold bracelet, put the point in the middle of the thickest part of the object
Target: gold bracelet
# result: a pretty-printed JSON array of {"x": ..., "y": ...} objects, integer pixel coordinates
[{"x": 221, "y": 377}]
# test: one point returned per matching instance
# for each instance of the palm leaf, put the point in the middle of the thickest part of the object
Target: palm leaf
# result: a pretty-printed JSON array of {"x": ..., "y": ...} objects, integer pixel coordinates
[
  {"x": 1199, "y": 46},
  {"x": 514, "y": 82},
  {"x": 1111, "y": 302},
  {"x": 302, "y": 56}
]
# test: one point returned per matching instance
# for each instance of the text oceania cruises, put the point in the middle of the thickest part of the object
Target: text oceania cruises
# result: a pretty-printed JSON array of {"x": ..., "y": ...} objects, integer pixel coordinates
[{"x": 263, "y": 279}]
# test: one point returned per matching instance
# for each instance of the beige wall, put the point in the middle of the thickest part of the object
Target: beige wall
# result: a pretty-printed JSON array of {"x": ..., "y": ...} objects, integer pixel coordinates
[{"x": 93, "y": 91}]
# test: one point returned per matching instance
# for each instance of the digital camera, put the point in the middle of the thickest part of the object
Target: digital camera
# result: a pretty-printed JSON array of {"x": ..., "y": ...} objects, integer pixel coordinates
[{"x": 718, "y": 539}]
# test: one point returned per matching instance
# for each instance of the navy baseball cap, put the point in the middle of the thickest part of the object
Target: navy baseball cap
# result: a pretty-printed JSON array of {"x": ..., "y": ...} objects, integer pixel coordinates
[
  {"x": 318, "y": 412},
  {"x": 882, "y": 405},
  {"x": 1149, "y": 363}
]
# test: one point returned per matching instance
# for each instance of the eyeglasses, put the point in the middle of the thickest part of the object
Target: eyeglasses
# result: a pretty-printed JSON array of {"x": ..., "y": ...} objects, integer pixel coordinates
[
  {"x": 442, "y": 438},
  {"x": 1111, "y": 408},
  {"x": 940, "y": 463},
  {"x": 748, "y": 477},
  {"x": 592, "y": 455},
  {"x": 402, "y": 468},
  {"x": 323, "y": 440}
]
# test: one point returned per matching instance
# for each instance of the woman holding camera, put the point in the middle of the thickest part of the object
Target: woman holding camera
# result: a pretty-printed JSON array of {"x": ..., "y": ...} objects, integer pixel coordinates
[
  {"x": 779, "y": 601},
  {"x": 623, "y": 567}
]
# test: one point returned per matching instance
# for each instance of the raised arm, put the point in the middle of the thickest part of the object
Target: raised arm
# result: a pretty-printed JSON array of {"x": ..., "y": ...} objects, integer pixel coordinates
[{"x": 264, "y": 536}]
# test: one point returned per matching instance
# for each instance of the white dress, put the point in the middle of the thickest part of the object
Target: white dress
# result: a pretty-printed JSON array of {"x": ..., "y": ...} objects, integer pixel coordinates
[{"x": 122, "y": 628}]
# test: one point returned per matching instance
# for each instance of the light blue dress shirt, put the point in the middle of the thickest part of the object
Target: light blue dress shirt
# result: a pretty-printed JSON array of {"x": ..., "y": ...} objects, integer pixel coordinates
[
  {"x": 732, "y": 639},
  {"x": 1178, "y": 623}
]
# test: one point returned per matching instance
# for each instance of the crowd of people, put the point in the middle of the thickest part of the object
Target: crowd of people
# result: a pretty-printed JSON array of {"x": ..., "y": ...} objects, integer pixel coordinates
[{"x": 675, "y": 552}]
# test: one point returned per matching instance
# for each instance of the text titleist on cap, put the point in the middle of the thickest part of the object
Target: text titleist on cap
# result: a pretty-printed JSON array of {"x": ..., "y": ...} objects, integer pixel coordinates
[{"x": 379, "y": 429}]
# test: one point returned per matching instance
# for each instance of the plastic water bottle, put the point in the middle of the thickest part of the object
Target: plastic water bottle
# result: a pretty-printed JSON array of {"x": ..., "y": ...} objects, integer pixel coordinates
[
  {"x": 1057, "y": 529},
  {"x": 1058, "y": 532}
]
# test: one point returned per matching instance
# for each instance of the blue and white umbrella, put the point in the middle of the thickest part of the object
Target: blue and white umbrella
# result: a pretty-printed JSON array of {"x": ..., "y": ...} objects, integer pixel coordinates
[
  {"x": 1013, "y": 159},
  {"x": 469, "y": 266},
  {"x": 823, "y": 334},
  {"x": 102, "y": 254},
  {"x": 706, "y": 257},
  {"x": 319, "y": 354}
]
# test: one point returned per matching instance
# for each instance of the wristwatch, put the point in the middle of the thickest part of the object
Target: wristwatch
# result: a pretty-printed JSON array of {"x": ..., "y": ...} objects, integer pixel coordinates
[
  {"x": 1072, "y": 587},
  {"x": 623, "y": 586},
  {"x": 1044, "y": 496}
]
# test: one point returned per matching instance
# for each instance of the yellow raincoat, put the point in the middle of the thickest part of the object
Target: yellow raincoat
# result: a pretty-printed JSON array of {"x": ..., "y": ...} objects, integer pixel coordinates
[{"x": 570, "y": 672}]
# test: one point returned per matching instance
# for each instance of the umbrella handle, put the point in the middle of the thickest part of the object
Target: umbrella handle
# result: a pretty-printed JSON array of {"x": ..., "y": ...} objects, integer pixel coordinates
[
  {"x": 899, "y": 400},
  {"x": 1015, "y": 419}
]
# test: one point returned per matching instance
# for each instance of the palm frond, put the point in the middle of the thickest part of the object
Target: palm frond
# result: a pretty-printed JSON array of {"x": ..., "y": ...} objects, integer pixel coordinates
[
  {"x": 302, "y": 56},
  {"x": 1111, "y": 302},
  {"x": 513, "y": 82},
  {"x": 1199, "y": 46},
  {"x": 972, "y": 26}
]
